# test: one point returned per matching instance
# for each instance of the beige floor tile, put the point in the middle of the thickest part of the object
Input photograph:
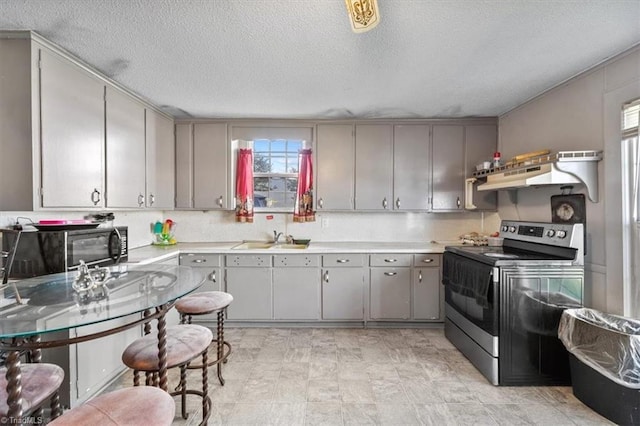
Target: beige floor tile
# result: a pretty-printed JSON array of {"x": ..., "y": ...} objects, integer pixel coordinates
[
  {"x": 323, "y": 391},
  {"x": 286, "y": 414},
  {"x": 356, "y": 391},
  {"x": 323, "y": 413},
  {"x": 397, "y": 414},
  {"x": 291, "y": 391},
  {"x": 360, "y": 414},
  {"x": 249, "y": 413}
]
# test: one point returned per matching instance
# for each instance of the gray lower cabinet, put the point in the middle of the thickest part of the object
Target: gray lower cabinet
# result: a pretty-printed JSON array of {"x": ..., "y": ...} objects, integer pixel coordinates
[
  {"x": 426, "y": 297},
  {"x": 210, "y": 264},
  {"x": 390, "y": 286},
  {"x": 343, "y": 287},
  {"x": 248, "y": 280},
  {"x": 296, "y": 293}
]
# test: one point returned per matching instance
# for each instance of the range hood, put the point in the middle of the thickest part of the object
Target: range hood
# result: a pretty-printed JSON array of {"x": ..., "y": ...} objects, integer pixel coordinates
[{"x": 566, "y": 167}]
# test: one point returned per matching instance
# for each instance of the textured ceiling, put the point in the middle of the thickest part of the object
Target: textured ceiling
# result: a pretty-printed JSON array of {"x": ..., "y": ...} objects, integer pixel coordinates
[{"x": 299, "y": 58}]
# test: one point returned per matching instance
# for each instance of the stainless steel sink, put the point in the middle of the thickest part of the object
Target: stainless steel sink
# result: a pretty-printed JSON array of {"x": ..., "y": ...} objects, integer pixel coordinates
[{"x": 264, "y": 245}]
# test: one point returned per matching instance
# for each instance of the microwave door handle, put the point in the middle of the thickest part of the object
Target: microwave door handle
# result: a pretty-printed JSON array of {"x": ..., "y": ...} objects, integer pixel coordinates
[{"x": 115, "y": 233}]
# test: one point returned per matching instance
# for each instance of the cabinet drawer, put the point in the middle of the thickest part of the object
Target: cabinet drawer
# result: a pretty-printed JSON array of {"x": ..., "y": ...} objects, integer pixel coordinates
[
  {"x": 342, "y": 260},
  {"x": 426, "y": 260},
  {"x": 391, "y": 260},
  {"x": 295, "y": 260},
  {"x": 200, "y": 259},
  {"x": 257, "y": 260}
]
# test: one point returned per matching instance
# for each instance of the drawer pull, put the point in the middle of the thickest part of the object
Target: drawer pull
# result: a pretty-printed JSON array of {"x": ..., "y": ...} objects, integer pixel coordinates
[
  {"x": 420, "y": 276},
  {"x": 390, "y": 274},
  {"x": 391, "y": 260},
  {"x": 427, "y": 260},
  {"x": 199, "y": 260},
  {"x": 342, "y": 260}
]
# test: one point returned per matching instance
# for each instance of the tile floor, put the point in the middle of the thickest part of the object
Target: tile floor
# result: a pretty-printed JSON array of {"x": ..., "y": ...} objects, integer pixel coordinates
[{"x": 320, "y": 376}]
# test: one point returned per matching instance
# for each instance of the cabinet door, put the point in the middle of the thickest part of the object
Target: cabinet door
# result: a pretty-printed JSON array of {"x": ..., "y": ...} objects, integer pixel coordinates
[
  {"x": 210, "y": 166},
  {"x": 296, "y": 293},
  {"x": 411, "y": 167},
  {"x": 72, "y": 135},
  {"x": 374, "y": 167},
  {"x": 426, "y": 293},
  {"x": 335, "y": 155},
  {"x": 448, "y": 168},
  {"x": 184, "y": 166},
  {"x": 125, "y": 151},
  {"x": 342, "y": 294},
  {"x": 389, "y": 293},
  {"x": 251, "y": 290},
  {"x": 480, "y": 144},
  {"x": 161, "y": 161}
]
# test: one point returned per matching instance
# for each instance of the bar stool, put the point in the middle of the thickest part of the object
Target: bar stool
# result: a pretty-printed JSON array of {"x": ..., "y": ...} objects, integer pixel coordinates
[
  {"x": 204, "y": 303},
  {"x": 40, "y": 381},
  {"x": 141, "y": 405},
  {"x": 185, "y": 343}
]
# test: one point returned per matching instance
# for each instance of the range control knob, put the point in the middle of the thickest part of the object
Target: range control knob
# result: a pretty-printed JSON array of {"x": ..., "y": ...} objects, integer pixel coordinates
[
  {"x": 551, "y": 233},
  {"x": 562, "y": 234},
  {"x": 504, "y": 228},
  {"x": 512, "y": 229}
]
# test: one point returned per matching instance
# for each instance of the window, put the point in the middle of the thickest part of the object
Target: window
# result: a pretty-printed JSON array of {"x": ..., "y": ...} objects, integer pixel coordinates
[
  {"x": 275, "y": 172},
  {"x": 631, "y": 207}
]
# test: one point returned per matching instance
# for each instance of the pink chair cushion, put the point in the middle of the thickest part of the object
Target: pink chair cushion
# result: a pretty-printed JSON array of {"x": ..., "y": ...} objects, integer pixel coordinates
[
  {"x": 184, "y": 343},
  {"x": 204, "y": 303},
  {"x": 139, "y": 405},
  {"x": 39, "y": 382}
]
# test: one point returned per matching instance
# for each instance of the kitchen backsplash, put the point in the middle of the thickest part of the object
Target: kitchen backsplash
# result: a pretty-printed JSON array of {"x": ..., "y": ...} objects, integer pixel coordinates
[{"x": 198, "y": 226}]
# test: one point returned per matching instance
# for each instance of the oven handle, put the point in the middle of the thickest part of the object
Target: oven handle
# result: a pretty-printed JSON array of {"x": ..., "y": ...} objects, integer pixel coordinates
[{"x": 115, "y": 233}]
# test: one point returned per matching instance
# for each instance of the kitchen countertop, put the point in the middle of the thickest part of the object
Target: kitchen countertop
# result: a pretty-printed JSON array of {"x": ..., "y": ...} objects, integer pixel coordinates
[{"x": 152, "y": 253}]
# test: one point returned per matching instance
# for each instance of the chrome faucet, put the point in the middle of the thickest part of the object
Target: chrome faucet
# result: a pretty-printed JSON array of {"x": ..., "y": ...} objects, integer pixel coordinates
[{"x": 276, "y": 237}]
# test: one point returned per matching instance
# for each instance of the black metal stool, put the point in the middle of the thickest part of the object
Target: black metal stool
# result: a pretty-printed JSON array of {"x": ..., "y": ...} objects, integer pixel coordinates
[
  {"x": 139, "y": 405},
  {"x": 39, "y": 381},
  {"x": 185, "y": 343},
  {"x": 204, "y": 303}
]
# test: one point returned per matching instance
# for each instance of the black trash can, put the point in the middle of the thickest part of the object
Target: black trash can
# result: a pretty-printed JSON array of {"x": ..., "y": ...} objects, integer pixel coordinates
[{"x": 605, "y": 362}]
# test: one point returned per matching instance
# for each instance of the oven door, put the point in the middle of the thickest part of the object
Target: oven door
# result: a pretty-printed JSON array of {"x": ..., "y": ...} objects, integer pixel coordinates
[{"x": 472, "y": 291}]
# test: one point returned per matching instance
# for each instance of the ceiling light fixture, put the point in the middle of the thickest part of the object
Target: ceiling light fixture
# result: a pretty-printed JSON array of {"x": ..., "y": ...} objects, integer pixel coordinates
[{"x": 363, "y": 14}]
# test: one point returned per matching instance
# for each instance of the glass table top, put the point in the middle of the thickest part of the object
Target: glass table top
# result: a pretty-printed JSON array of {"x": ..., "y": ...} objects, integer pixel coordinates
[{"x": 50, "y": 303}]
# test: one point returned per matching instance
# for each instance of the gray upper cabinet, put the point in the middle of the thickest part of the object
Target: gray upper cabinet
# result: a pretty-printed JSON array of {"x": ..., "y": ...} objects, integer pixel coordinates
[
  {"x": 202, "y": 168},
  {"x": 125, "y": 119},
  {"x": 335, "y": 159},
  {"x": 72, "y": 135},
  {"x": 160, "y": 162},
  {"x": 481, "y": 141},
  {"x": 448, "y": 169},
  {"x": 411, "y": 167},
  {"x": 210, "y": 153},
  {"x": 374, "y": 167}
]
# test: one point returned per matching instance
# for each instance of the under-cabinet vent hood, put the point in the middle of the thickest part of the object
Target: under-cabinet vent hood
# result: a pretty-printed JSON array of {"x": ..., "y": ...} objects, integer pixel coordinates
[{"x": 566, "y": 167}]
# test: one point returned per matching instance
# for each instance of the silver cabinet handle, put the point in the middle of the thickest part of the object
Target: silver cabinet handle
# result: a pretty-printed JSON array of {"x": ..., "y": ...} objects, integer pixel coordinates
[
  {"x": 342, "y": 260},
  {"x": 220, "y": 201},
  {"x": 398, "y": 203},
  {"x": 140, "y": 200},
  {"x": 95, "y": 196},
  {"x": 385, "y": 203},
  {"x": 390, "y": 274},
  {"x": 420, "y": 276},
  {"x": 458, "y": 203},
  {"x": 199, "y": 260},
  {"x": 391, "y": 260},
  {"x": 320, "y": 202},
  {"x": 326, "y": 276},
  {"x": 152, "y": 199},
  {"x": 427, "y": 260},
  {"x": 212, "y": 276}
]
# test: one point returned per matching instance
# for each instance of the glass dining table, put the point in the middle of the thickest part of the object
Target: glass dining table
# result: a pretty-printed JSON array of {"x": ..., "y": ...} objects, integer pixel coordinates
[{"x": 36, "y": 306}]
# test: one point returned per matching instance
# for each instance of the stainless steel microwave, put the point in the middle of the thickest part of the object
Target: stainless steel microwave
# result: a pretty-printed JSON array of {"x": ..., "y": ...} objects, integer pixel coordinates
[{"x": 49, "y": 252}]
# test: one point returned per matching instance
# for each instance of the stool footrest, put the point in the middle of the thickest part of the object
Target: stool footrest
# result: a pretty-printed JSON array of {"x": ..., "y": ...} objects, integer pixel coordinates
[{"x": 215, "y": 361}]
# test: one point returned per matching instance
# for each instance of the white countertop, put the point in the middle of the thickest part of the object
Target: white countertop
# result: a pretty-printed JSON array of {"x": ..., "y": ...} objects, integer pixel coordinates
[{"x": 151, "y": 253}]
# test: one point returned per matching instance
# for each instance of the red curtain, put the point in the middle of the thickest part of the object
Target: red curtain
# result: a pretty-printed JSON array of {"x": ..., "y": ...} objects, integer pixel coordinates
[
  {"x": 303, "y": 211},
  {"x": 244, "y": 186}
]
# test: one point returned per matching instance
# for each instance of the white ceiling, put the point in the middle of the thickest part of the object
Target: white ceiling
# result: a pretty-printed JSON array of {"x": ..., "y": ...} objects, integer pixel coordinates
[{"x": 300, "y": 59}]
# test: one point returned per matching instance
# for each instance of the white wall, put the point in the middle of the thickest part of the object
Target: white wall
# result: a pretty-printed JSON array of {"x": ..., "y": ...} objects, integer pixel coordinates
[
  {"x": 582, "y": 114},
  {"x": 199, "y": 226}
]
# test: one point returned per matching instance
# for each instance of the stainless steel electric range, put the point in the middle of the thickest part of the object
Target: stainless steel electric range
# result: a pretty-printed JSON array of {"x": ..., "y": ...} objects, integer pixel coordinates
[{"x": 503, "y": 304}]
